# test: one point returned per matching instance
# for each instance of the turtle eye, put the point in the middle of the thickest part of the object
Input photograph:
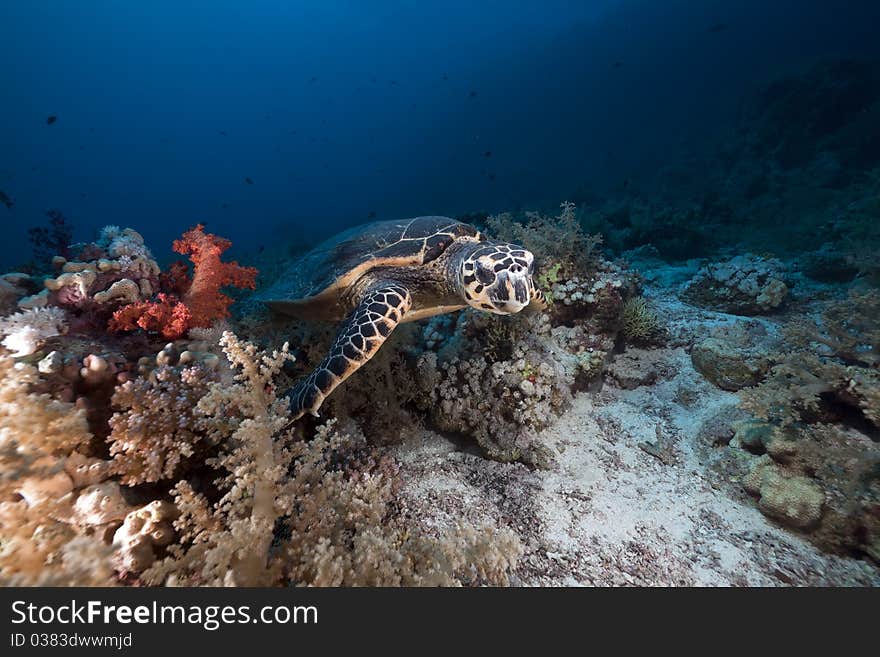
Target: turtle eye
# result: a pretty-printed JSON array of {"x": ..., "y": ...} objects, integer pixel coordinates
[{"x": 484, "y": 274}]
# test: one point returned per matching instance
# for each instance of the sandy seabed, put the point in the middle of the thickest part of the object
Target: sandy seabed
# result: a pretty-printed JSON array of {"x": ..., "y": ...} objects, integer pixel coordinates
[{"x": 633, "y": 498}]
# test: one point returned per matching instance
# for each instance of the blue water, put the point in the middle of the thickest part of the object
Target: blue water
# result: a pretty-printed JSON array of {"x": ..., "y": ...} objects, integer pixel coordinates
[{"x": 342, "y": 111}]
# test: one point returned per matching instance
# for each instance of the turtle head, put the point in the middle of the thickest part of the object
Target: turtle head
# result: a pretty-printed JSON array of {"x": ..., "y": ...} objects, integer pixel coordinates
[{"x": 497, "y": 278}]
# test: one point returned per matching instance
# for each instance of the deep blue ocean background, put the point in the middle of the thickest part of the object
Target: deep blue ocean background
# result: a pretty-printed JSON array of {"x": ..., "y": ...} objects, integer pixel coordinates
[{"x": 275, "y": 122}]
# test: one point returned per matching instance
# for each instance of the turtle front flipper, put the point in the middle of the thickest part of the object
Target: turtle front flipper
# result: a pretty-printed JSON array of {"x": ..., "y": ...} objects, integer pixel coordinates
[
  {"x": 363, "y": 333},
  {"x": 537, "y": 299}
]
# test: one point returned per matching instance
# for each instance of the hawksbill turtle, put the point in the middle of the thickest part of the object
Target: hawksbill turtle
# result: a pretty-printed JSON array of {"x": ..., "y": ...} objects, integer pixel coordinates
[{"x": 378, "y": 275}]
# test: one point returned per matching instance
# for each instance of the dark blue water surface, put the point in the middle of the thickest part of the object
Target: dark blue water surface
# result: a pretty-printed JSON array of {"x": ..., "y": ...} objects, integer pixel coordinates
[{"x": 281, "y": 121}]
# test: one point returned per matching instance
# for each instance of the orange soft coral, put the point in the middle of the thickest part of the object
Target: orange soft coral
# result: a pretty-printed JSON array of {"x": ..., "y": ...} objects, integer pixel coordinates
[
  {"x": 203, "y": 298},
  {"x": 166, "y": 316}
]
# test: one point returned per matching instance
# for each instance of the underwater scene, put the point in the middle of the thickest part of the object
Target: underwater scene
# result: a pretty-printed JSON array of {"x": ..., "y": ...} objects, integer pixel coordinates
[{"x": 387, "y": 293}]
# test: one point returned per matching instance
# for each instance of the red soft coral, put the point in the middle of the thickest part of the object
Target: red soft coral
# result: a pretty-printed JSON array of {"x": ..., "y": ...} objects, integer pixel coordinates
[
  {"x": 200, "y": 301},
  {"x": 176, "y": 279},
  {"x": 166, "y": 316},
  {"x": 203, "y": 298}
]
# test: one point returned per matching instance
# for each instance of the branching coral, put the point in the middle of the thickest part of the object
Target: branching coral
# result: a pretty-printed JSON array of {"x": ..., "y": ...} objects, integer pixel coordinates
[
  {"x": 154, "y": 431},
  {"x": 203, "y": 298},
  {"x": 229, "y": 541},
  {"x": 502, "y": 404},
  {"x": 316, "y": 512},
  {"x": 346, "y": 534},
  {"x": 558, "y": 242},
  {"x": 52, "y": 240}
]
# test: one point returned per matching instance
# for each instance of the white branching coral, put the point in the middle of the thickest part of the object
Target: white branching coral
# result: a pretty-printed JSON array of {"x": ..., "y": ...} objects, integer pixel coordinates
[
  {"x": 24, "y": 332},
  {"x": 228, "y": 543},
  {"x": 317, "y": 512}
]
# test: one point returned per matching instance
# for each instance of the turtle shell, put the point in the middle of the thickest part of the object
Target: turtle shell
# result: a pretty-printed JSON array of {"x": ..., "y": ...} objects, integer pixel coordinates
[{"x": 332, "y": 266}]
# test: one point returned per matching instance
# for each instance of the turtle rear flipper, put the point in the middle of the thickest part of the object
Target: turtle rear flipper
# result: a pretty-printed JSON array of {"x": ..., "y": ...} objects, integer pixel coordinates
[{"x": 363, "y": 333}]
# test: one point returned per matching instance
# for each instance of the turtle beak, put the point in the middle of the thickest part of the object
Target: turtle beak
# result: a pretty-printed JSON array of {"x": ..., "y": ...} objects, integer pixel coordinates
[{"x": 510, "y": 294}]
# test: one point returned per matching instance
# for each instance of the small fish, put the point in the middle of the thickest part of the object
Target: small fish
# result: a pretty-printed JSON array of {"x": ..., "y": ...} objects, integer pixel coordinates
[
  {"x": 617, "y": 64},
  {"x": 249, "y": 181},
  {"x": 371, "y": 215},
  {"x": 5, "y": 200},
  {"x": 445, "y": 77},
  {"x": 393, "y": 83},
  {"x": 626, "y": 183},
  {"x": 51, "y": 119},
  {"x": 313, "y": 79},
  {"x": 487, "y": 154},
  {"x": 224, "y": 205},
  {"x": 472, "y": 94},
  {"x": 492, "y": 177},
  {"x": 261, "y": 248},
  {"x": 717, "y": 27},
  {"x": 222, "y": 132}
]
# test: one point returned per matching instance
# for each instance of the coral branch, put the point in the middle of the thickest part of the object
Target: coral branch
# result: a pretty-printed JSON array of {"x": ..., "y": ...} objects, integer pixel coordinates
[
  {"x": 204, "y": 298},
  {"x": 166, "y": 316}
]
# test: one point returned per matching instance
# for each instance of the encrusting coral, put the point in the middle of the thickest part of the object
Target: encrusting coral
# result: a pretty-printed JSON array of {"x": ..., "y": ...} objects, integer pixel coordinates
[
  {"x": 818, "y": 422},
  {"x": 743, "y": 285}
]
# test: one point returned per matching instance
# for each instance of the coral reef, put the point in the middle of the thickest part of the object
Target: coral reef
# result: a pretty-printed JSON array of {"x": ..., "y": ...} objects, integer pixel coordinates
[
  {"x": 818, "y": 424},
  {"x": 737, "y": 355},
  {"x": 143, "y": 440},
  {"x": 203, "y": 296},
  {"x": 742, "y": 285},
  {"x": 155, "y": 429},
  {"x": 201, "y": 302},
  {"x": 502, "y": 404},
  {"x": 24, "y": 332},
  {"x": 558, "y": 242}
]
